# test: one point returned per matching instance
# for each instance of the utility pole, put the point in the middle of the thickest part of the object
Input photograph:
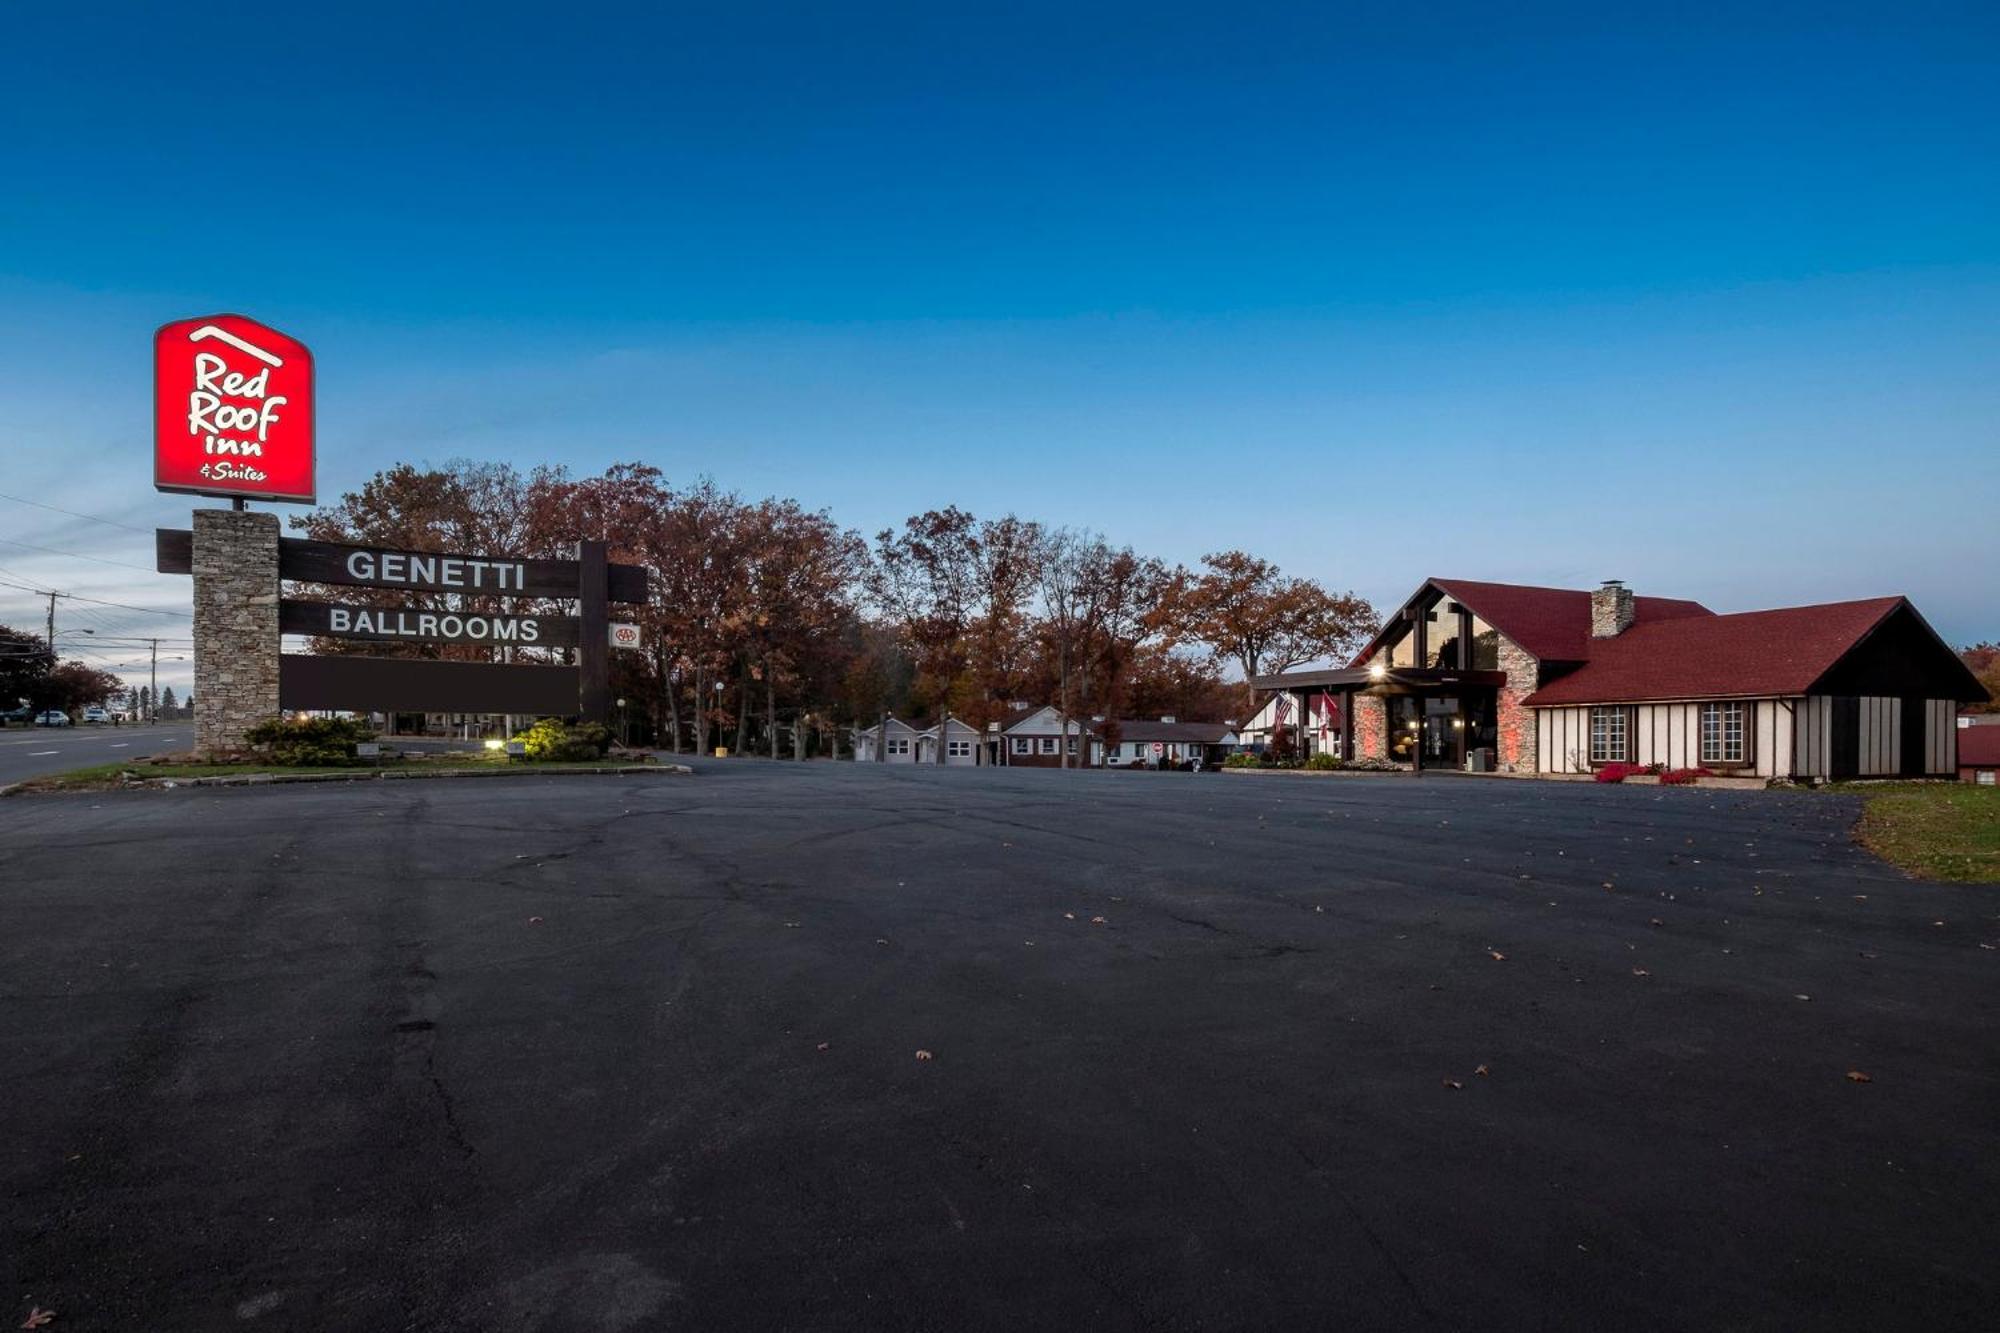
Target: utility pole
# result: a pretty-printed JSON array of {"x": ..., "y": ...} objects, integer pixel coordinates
[
  {"x": 52, "y": 628},
  {"x": 153, "y": 694}
]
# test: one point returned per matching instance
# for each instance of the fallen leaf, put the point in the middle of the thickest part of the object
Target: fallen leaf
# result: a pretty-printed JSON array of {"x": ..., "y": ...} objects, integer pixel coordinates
[
  {"x": 534, "y": 921},
  {"x": 1641, "y": 972},
  {"x": 1802, "y": 997},
  {"x": 1856, "y": 1076},
  {"x": 1453, "y": 1084},
  {"x": 1069, "y": 916},
  {"x": 1498, "y": 957},
  {"x": 37, "y": 1317},
  {"x": 823, "y": 1046},
  {"x": 881, "y": 941},
  {"x": 1656, "y": 922},
  {"x": 791, "y": 925},
  {"x": 923, "y": 1055},
  {"x": 1097, "y": 921},
  {"x": 1482, "y": 1071}
]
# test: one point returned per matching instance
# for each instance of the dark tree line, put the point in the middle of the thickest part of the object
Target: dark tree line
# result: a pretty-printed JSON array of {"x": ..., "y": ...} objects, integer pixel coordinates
[{"x": 771, "y": 626}]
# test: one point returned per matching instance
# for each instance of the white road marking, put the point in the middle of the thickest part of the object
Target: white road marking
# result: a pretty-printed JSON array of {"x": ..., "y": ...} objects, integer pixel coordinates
[
  {"x": 119, "y": 745},
  {"x": 37, "y": 754}
]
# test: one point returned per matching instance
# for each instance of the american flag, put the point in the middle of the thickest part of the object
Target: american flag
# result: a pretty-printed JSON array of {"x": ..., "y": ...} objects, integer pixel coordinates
[{"x": 1283, "y": 712}]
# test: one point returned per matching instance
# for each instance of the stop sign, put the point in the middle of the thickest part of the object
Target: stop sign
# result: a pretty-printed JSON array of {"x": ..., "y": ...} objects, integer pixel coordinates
[
  {"x": 232, "y": 410},
  {"x": 1158, "y": 748}
]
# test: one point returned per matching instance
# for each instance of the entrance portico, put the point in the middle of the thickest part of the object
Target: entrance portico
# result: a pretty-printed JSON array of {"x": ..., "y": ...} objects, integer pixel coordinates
[{"x": 1431, "y": 717}]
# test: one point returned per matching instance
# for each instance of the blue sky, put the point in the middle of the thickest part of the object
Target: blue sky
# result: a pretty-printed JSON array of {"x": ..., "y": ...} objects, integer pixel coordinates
[{"x": 1703, "y": 299}]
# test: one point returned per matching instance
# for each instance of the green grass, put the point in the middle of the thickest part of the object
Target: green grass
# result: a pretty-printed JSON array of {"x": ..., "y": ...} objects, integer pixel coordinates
[
  {"x": 1939, "y": 830},
  {"x": 108, "y": 776}
]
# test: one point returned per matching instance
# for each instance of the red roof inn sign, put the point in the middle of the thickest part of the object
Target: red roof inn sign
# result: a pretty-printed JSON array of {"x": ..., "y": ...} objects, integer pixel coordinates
[
  {"x": 232, "y": 410},
  {"x": 233, "y": 416}
]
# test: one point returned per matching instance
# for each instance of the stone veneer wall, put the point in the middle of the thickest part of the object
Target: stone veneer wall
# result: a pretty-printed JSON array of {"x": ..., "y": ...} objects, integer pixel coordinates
[
  {"x": 235, "y": 625},
  {"x": 1514, "y": 723},
  {"x": 1371, "y": 727}
]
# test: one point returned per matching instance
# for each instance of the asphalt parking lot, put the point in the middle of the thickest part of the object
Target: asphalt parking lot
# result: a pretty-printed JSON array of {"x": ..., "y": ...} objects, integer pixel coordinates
[{"x": 1210, "y": 1051}]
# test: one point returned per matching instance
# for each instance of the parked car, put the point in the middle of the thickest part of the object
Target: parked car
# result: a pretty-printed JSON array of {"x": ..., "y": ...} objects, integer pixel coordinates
[
  {"x": 55, "y": 717},
  {"x": 96, "y": 714},
  {"x": 24, "y": 715}
]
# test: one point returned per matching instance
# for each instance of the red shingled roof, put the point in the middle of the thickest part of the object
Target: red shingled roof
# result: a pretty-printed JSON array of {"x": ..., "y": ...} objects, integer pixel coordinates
[
  {"x": 1979, "y": 746},
  {"x": 1754, "y": 654},
  {"x": 1553, "y": 624}
]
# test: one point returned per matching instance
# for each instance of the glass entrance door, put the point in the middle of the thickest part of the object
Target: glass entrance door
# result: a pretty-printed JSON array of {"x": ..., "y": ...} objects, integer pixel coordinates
[{"x": 1443, "y": 732}]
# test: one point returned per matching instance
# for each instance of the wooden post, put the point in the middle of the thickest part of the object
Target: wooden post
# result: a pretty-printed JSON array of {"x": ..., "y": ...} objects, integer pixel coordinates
[{"x": 593, "y": 654}]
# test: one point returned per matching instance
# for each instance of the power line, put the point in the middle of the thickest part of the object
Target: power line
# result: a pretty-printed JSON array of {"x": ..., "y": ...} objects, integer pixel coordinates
[
  {"x": 58, "y": 509},
  {"x": 94, "y": 601},
  {"x": 78, "y": 555}
]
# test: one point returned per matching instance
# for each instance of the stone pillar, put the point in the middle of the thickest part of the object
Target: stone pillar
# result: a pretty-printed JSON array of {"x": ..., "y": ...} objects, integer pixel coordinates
[
  {"x": 235, "y": 625},
  {"x": 1514, "y": 722},
  {"x": 1371, "y": 727}
]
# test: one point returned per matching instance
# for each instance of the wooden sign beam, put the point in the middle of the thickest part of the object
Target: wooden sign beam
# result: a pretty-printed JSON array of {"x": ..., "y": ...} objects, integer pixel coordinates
[
  {"x": 399, "y": 624},
  {"x": 417, "y": 571}
]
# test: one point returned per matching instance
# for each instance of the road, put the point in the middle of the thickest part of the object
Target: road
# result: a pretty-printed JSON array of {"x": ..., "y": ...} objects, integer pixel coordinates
[
  {"x": 642, "y": 1053},
  {"x": 27, "y": 752}
]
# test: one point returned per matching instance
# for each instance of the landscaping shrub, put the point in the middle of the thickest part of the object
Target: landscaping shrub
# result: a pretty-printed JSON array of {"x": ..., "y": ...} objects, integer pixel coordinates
[
  {"x": 1683, "y": 777},
  {"x": 550, "y": 739},
  {"x": 1366, "y": 764},
  {"x": 1324, "y": 762},
  {"x": 1618, "y": 772},
  {"x": 1239, "y": 761},
  {"x": 309, "y": 742}
]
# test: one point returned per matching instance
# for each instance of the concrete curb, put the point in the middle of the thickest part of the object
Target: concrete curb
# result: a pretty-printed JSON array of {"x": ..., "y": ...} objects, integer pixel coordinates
[{"x": 382, "y": 775}]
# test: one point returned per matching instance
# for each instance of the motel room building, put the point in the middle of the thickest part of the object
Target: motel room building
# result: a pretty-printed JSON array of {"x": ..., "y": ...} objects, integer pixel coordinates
[
  {"x": 961, "y": 744},
  {"x": 1320, "y": 734},
  {"x": 902, "y": 743},
  {"x": 1503, "y": 677}
]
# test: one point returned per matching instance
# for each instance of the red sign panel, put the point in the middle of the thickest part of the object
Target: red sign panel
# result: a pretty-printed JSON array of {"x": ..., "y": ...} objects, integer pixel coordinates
[{"x": 232, "y": 410}]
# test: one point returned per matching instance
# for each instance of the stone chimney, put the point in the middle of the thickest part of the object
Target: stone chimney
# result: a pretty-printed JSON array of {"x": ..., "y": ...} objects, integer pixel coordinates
[{"x": 1612, "y": 610}]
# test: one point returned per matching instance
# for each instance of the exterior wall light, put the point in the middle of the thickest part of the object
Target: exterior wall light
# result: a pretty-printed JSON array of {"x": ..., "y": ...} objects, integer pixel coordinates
[{"x": 1378, "y": 670}]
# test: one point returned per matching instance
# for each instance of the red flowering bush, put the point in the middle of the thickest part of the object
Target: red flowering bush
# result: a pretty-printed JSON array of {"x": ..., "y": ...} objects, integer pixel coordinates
[
  {"x": 1683, "y": 777},
  {"x": 1617, "y": 772}
]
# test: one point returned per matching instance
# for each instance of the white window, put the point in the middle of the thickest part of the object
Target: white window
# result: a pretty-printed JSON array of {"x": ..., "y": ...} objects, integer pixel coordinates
[
  {"x": 899, "y": 745},
  {"x": 960, "y": 748},
  {"x": 1722, "y": 733},
  {"x": 1021, "y": 745},
  {"x": 1607, "y": 736},
  {"x": 1072, "y": 745},
  {"x": 1048, "y": 745}
]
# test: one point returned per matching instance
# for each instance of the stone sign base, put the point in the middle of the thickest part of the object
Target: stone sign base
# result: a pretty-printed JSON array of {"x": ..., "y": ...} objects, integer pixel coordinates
[{"x": 236, "y": 640}]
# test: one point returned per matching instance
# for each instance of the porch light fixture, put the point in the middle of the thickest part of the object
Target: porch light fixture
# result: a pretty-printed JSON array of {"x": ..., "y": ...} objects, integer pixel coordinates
[{"x": 1378, "y": 670}]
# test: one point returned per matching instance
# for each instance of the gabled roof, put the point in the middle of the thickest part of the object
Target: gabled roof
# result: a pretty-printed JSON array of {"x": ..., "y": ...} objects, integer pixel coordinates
[
  {"x": 1050, "y": 716},
  {"x": 1553, "y": 624},
  {"x": 1754, "y": 654}
]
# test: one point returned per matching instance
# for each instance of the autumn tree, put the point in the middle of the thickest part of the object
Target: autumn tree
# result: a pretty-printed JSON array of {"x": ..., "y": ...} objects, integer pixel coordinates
[
  {"x": 801, "y": 574},
  {"x": 1248, "y": 614},
  {"x": 1983, "y": 660}
]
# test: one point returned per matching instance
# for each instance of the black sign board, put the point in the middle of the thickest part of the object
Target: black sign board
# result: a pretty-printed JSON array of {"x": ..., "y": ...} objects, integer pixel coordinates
[
  {"x": 391, "y": 685},
  {"x": 401, "y": 624},
  {"x": 416, "y": 571},
  {"x": 358, "y": 683}
]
